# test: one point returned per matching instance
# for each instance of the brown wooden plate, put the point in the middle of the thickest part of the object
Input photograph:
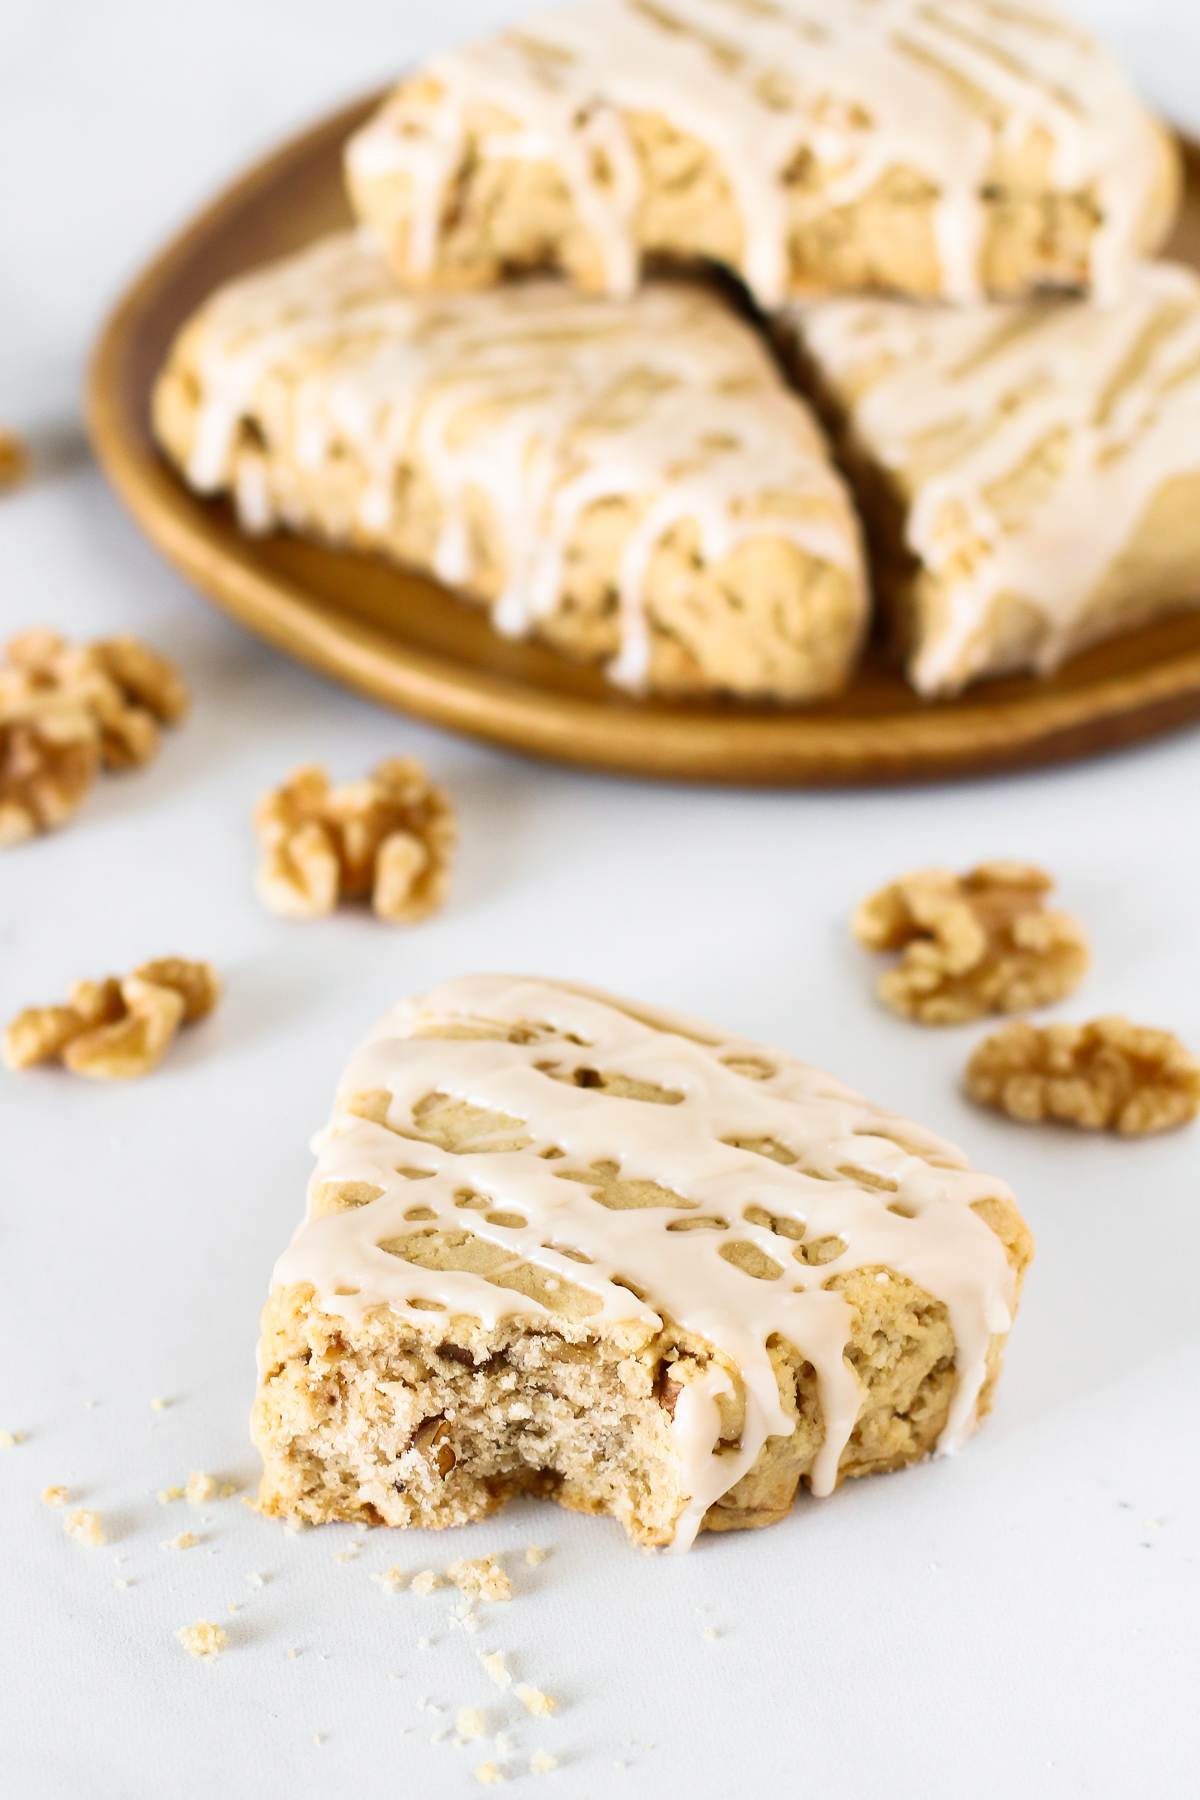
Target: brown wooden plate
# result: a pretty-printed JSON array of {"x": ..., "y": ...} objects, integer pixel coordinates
[{"x": 406, "y": 641}]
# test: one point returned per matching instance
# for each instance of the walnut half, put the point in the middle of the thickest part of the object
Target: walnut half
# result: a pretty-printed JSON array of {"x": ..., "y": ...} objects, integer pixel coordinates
[
  {"x": 115, "y": 1030},
  {"x": 972, "y": 944},
  {"x": 388, "y": 837},
  {"x": 68, "y": 709},
  {"x": 1108, "y": 1074}
]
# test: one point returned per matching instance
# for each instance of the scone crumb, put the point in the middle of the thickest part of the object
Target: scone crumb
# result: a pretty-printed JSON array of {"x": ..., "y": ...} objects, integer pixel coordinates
[
  {"x": 85, "y": 1528},
  {"x": 469, "y": 1723},
  {"x": 350, "y": 1554},
  {"x": 203, "y": 1638},
  {"x": 535, "y": 1554},
  {"x": 227, "y": 1490},
  {"x": 534, "y": 1701},
  {"x": 487, "y": 1774},
  {"x": 388, "y": 837},
  {"x": 318, "y": 1737},
  {"x": 200, "y": 1489},
  {"x": 480, "y": 1578},
  {"x": 710, "y": 1634},
  {"x": 256, "y": 1581},
  {"x": 166, "y": 1495},
  {"x": 1105, "y": 1075},
  {"x": 10, "y": 1439},
  {"x": 425, "y": 1582},
  {"x": 391, "y": 1580},
  {"x": 187, "y": 1540},
  {"x": 972, "y": 944},
  {"x": 159, "y": 1404},
  {"x": 494, "y": 1665},
  {"x": 541, "y": 1762},
  {"x": 54, "y": 1496}
]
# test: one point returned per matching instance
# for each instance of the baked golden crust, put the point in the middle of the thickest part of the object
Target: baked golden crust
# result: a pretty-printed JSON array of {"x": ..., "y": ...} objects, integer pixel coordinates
[
  {"x": 889, "y": 146},
  {"x": 632, "y": 483},
  {"x": 506, "y": 1360}
]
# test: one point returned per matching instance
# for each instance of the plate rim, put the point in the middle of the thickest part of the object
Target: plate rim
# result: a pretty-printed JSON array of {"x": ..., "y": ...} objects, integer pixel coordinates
[{"x": 969, "y": 736}]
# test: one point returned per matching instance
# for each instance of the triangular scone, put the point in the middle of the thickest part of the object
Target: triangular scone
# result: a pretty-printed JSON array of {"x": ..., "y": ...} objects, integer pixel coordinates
[
  {"x": 561, "y": 1243},
  {"x": 930, "y": 147},
  {"x": 1029, "y": 471},
  {"x": 633, "y": 482}
]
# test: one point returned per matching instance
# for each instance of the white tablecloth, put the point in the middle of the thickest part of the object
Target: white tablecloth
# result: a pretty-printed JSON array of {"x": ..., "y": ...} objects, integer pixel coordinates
[{"x": 1020, "y": 1621}]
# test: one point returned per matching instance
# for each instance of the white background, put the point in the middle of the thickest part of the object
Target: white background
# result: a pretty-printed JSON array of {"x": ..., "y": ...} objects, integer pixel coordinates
[{"x": 1022, "y": 1621}]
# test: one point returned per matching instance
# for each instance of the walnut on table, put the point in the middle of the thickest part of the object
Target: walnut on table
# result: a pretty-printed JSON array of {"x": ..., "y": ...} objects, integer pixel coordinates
[
  {"x": 1107, "y": 1074},
  {"x": 389, "y": 837},
  {"x": 66, "y": 710},
  {"x": 972, "y": 944},
  {"x": 115, "y": 1030},
  {"x": 14, "y": 460}
]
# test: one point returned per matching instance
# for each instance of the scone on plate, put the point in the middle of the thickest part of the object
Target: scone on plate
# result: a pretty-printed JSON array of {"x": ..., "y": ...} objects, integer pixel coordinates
[
  {"x": 1029, "y": 471},
  {"x": 565, "y": 1244},
  {"x": 928, "y": 147},
  {"x": 631, "y": 481}
]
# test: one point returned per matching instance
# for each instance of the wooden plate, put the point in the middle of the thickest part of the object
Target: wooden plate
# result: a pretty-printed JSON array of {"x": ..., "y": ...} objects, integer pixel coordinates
[{"x": 410, "y": 644}]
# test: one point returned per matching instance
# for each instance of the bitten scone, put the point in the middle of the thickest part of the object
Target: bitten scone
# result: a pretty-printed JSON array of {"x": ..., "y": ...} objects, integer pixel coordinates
[
  {"x": 928, "y": 147},
  {"x": 561, "y": 1243},
  {"x": 631, "y": 482},
  {"x": 1029, "y": 471}
]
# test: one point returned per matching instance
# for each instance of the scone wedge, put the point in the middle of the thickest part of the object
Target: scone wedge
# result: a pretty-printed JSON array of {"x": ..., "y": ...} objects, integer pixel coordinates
[
  {"x": 631, "y": 482},
  {"x": 564, "y": 1244},
  {"x": 1029, "y": 471},
  {"x": 927, "y": 147}
]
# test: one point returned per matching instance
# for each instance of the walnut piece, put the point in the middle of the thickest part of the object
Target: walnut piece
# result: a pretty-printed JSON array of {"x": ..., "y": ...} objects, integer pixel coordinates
[
  {"x": 67, "y": 710},
  {"x": 1107, "y": 1074},
  {"x": 972, "y": 944},
  {"x": 389, "y": 837},
  {"x": 115, "y": 1030},
  {"x": 14, "y": 460}
]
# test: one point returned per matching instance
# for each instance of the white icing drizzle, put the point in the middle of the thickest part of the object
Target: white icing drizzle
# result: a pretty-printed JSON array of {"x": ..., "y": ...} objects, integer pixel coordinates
[
  {"x": 543, "y": 399},
  {"x": 922, "y": 1228},
  {"x": 863, "y": 85},
  {"x": 1100, "y": 404}
]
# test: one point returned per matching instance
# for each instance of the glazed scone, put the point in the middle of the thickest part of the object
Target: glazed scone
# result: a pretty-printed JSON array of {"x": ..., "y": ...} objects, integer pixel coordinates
[
  {"x": 1029, "y": 470},
  {"x": 634, "y": 483},
  {"x": 561, "y": 1243},
  {"x": 928, "y": 147}
]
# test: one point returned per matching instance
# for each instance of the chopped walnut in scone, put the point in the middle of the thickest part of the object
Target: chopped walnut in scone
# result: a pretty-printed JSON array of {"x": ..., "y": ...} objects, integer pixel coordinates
[
  {"x": 388, "y": 837},
  {"x": 972, "y": 944},
  {"x": 66, "y": 710},
  {"x": 115, "y": 1030},
  {"x": 1107, "y": 1074}
]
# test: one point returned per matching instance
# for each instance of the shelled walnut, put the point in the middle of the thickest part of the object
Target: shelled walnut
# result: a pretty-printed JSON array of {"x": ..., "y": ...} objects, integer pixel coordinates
[
  {"x": 115, "y": 1030},
  {"x": 972, "y": 944},
  {"x": 66, "y": 710},
  {"x": 1108, "y": 1074},
  {"x": 389, "y": 837},
  {"x": 14, "y": 460}
]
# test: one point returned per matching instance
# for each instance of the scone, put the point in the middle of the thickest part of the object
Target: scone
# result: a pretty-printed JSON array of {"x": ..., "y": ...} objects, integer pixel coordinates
[
  {"x": 564, "y": 1244},
  {"x": 928, "y": 147},
  {"x": 1029, "y": 471},
  {"x": 632, "y": 482}
]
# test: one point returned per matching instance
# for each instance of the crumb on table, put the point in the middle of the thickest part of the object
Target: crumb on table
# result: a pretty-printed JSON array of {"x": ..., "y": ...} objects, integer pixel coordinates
[
  {"x": 54, "y": 1496},
  {"x": 203, "y": 1638},
  {"x": 534, "y": 1700},
  {"x": 85, "y": 1528}
]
